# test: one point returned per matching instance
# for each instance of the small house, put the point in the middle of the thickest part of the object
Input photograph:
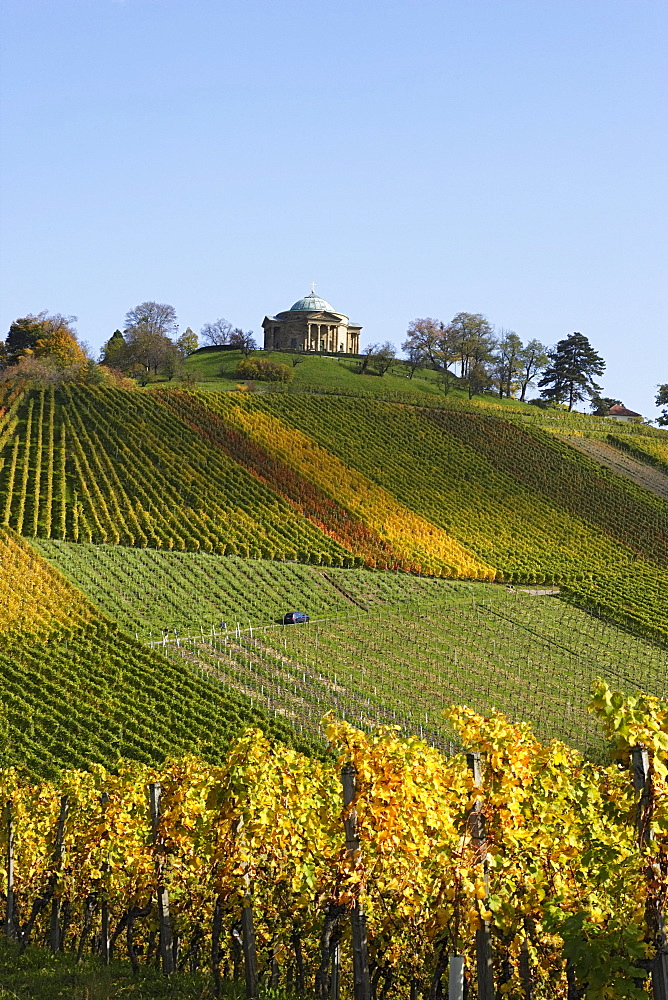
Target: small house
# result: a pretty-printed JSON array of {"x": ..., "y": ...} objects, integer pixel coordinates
[{"x": 619, "y": 412}]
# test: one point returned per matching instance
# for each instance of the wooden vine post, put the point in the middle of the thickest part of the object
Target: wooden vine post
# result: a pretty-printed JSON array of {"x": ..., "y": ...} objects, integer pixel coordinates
[
  {"x": 361, "y": 977},
  {"x": 483, "y": 936},
  {"x": 104, "y": 917},
  {"x": 248, "y": 942},
  {"x": 248, "y": 932},
  {"x": 10, "y": 929},
  {"x": 164, "y": 918},
  {"x": 58, "y": 852},
  {"x": 642, "y": 783}
]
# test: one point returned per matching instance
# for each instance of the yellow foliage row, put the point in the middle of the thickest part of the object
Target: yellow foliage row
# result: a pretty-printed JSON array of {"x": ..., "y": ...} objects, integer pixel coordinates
[
  {"x": 411, "y": 536},
  {"x": 559, "y": 870},
  {"x": 34, "y": 598}
]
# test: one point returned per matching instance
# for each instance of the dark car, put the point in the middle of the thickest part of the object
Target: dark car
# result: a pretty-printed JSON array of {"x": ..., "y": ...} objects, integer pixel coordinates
[{"x": 295, "y": 618}]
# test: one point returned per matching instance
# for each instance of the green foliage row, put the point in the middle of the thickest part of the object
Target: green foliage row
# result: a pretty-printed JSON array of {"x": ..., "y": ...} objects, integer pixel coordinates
[
  {"x": 393, "y": 648},
  {"x": 96, "y": 694},
  {"x": 115, "y": 466},
  {"x": 77, "y": 689},
  {"x": 147, "y": 590}
]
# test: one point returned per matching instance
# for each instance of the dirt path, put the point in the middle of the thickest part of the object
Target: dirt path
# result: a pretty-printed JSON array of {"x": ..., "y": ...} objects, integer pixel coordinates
[{"x": 625, "y": 465}]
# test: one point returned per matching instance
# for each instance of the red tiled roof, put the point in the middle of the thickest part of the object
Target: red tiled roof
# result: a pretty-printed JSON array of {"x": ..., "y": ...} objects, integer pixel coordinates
[{"x": 620, "y": 411}]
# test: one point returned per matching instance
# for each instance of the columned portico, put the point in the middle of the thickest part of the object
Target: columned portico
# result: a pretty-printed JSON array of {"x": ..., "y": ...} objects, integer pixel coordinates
[{"x": 311, "y": 325}]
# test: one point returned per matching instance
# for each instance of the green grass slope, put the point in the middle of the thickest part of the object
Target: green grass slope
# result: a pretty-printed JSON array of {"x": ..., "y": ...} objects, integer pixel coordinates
[{"x": 216, "y": 370}]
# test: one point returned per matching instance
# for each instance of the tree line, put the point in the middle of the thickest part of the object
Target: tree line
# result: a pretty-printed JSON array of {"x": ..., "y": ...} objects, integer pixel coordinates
[
  {"x": 465, "y": 353},
  {"x": 468, "y": 352},
  {"x": 150, "y": 345},
  {"x": 45, "y": 348}
]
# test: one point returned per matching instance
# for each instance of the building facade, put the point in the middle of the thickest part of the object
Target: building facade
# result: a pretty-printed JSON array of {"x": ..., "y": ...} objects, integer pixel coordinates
[{"x": 311, "y": 324}]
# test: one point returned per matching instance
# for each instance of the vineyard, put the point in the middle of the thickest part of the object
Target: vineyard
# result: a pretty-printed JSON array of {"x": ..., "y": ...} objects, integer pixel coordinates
[
  {"x": 107, "y": 466},
  {"x": 623, "y": 462},
  {"x": 162, "y": 735},
  {"x": 382, "y": 648},
  {"x": 532, "y": 658},
  {"x": 148, "y": 590},
  {"x": 78, "y": 690},
  {"x": 518, "y": 499},
  {"x": 653, "y": 450},
  {"x": 336, "y": 482},
  {"x": 383, "y": 870}
]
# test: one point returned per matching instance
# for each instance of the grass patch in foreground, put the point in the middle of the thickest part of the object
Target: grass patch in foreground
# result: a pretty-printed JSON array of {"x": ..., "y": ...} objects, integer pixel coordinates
[{"x": 40, "y": 975}]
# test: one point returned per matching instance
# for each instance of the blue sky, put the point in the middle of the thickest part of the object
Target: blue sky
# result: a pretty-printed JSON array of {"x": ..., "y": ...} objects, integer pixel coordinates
[{"x": 413, "y": 158}]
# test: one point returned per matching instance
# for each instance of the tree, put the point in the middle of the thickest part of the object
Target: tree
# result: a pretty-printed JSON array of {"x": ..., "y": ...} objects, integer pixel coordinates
[
  {"x": 416, "y": 358},
  {"x": 367, "y": 354},
  {"x": 147, "y": 350},
  {"x": 156, "y": 318},
  {"x": 52, "y": 338},
  {"x": 471, "y": 341},
  {"x": 114, "y": 351},
  {"x": 58, "y": 342},
  {"x": 23, "y": 335},
  {"x": 445, "y": 380},
  {"x": 148, "y": 332},
  {"x": 172, "y": 363},
  {"x": 507, "y": 362},
  {"x": 384, "y": 357},
  {"x": 218, "y": 333},
  {"x": 431, "y": 342},
  {"x": 187, "y": 343},
  {"x": 45, "y": 336},
  {"x": 534, "y": 359},
  {"x": 244, "y": 340},
  {"x": 600, "y": 405},
  {"x": 662, "y": 400},
  {"x": 479, "y": 377},
  {"x": 569, "y": 377},
  {"x": 422, "y": 341}
]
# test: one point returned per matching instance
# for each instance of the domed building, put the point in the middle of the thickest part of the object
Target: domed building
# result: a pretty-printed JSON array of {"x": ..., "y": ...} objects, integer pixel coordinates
[{"x": 311, "y": 324}]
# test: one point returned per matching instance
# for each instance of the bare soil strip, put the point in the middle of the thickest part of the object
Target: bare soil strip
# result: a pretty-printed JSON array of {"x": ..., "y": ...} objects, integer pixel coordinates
[{"x": 620, "y": 462}]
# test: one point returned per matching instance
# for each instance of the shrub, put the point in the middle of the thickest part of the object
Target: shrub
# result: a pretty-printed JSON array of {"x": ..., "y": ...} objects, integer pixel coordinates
[{"x": 265, "y": 370}]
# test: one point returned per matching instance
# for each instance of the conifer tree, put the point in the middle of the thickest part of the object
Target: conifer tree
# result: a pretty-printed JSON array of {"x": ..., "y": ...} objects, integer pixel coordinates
[
  {"x": 569, "y": 377},
  {"x": 114, "y": 351},
  {"x": 662, "y": 400}
]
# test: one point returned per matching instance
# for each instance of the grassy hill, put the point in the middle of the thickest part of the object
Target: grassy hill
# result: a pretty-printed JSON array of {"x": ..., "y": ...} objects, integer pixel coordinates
[{"x": 216, "y": 370}]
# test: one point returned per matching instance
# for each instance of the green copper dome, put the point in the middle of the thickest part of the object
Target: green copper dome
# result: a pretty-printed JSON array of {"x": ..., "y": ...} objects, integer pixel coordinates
[{"x": 311, "y": 303}]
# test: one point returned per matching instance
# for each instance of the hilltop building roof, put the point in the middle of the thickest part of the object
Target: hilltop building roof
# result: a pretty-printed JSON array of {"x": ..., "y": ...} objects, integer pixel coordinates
[
  {"x": 621, "y": 411},
  {"x": 311, "y": 303}
]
